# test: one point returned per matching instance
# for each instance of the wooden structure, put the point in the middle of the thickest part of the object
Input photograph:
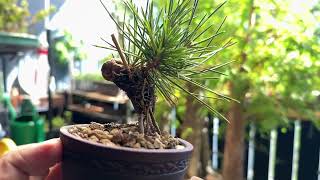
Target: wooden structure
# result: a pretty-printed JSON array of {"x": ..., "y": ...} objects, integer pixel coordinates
[{"x": 95, "y": 104}]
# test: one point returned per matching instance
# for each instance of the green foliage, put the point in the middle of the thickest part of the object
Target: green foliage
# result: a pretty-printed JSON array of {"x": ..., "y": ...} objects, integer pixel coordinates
[
  {"x": 171, "y": 43},
  {"x": 59, "y": 121},
  {"x": 163, "y": 111},
  {"x": 16, "y": 17},
  {"x": 277, "y": 53},
  {"x": 186, "y": 133},
  {"x": 66, "y": 48},
  {"x": 90, "y": 77}
]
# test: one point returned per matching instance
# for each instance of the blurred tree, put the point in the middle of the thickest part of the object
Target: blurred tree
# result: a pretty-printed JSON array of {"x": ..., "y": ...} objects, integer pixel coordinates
[
  {"x": 15, "y": 17},
  {"x": 67, "y": 48},
  {"x": 276, "y": 74}
]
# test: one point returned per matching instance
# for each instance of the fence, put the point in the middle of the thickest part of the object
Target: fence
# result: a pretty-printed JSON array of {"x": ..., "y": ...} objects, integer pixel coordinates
[{"x": 299, "y": 146}]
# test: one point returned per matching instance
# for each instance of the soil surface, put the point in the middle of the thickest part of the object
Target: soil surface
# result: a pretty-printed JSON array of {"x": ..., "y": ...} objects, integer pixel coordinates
[{"x": 125, "y": 135}]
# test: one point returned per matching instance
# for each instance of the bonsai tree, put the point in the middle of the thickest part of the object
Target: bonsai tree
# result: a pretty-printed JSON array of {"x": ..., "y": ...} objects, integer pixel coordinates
[{"x": 161, "y": 51}]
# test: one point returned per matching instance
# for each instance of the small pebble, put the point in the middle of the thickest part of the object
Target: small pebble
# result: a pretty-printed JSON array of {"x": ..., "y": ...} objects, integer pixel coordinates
[
  {"x": 130, "y": 143},
  {"x": 115, "y": 131},
  {"x": 179, "y": 147},
  {"x": 93, "y": 138},
  {"x": 137, "y": 145},
  {"x": 100, "y": 134},
  {"x": 117, "y": 138},
  {"x": 158, "y": 144},
  {"x": 150, "y": 145},
  {"x": 95, "y": 125},
  {"x": 107, "y": 142}
]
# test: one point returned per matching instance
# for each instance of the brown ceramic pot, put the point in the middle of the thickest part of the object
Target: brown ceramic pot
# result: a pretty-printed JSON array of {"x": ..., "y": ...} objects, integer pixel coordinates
[{"x": 85, "y": 160}]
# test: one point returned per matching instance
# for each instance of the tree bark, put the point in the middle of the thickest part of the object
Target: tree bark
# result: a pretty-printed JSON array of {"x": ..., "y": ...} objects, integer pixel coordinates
[
  {"x": 233, "y": 157},
  {"x": 205, "y": 150},
  {"x": 192, "y": 120}
]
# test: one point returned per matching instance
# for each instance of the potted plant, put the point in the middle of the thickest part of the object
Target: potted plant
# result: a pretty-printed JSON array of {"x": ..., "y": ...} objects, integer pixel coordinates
[{"x": 161, "y": 51}]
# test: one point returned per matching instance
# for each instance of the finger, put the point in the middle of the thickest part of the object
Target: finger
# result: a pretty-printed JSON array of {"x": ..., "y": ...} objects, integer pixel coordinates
[
  {"x": 8, "y": 171},
  {"x": 36, "y": 178},
  {"x": 55, "y": 173},
  {"x": 195, "y": 178},
  {"x": 36, "y": 159}
]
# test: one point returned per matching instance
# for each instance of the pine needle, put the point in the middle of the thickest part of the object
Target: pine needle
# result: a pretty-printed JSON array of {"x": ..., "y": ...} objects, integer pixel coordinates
[{"x": 171, "y": 44}]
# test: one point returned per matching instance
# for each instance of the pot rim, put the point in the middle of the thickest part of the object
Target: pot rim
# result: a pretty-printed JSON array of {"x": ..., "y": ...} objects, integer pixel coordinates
[{"x": 64, "y": 132}]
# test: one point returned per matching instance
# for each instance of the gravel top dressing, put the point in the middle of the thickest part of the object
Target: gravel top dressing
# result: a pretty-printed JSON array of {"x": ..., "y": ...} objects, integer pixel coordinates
[{"x": 124, "y": 135}]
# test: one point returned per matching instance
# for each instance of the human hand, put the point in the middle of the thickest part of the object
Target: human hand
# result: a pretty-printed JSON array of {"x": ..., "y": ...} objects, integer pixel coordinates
[
  {"x": 33, "y": 162},
  {"x": 195, "y": 178}
]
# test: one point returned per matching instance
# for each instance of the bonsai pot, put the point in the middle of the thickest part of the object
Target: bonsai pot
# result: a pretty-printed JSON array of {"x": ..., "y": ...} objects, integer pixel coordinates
[{"x": 86, "y": 160}]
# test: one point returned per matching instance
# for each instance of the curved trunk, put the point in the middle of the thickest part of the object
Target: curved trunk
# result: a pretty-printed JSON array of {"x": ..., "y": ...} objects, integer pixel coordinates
[{"x": 139, "y": 88}]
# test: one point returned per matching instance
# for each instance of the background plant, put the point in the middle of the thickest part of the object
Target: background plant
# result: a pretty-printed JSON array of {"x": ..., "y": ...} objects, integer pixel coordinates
[
  {"x": 16, "y": 17},
  {"x": 276, "y": 77},
  {"x": 67, "y": 48}
]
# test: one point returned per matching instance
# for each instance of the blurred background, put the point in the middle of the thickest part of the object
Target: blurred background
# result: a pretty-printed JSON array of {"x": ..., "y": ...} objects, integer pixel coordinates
[{"x": 50, "y": 77}]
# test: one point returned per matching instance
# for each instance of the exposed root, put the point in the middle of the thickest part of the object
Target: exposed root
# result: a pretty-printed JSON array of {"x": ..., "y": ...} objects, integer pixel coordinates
[
  {"x": 153, "y": 121},
  {"x": 141, "y": 125}
]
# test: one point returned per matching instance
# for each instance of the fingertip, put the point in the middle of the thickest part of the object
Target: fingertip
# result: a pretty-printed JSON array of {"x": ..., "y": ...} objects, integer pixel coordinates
[{"x": 55, "y": 173}]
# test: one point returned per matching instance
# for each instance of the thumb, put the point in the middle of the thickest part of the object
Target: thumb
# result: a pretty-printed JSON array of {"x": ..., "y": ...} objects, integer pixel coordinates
[{"x": 32, "y": 159}]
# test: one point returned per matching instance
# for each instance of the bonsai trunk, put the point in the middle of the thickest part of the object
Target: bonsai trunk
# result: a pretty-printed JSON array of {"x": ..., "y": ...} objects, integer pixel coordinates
[
  {"x": 139, "y": 88},
  {"x": 234, "y": 144}
]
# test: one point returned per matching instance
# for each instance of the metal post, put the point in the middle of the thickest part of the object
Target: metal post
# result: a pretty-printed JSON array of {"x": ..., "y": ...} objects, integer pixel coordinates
[
  {"x": 215, "y": 150},
  {"x": 173, "y": 117},
  {"x": 272, "y": 154},
  {"x": 4, "y": 74},
  {"x": 47, "y": 5},
  {"x": 251, "y": 151},
  {"x": 319, "y": 166},
  {"x": 296, "y": 150},
  {"x": 50, "y": 106},
  {"x": 115, "y": 106},
  {"x": 5, "y": 59}
]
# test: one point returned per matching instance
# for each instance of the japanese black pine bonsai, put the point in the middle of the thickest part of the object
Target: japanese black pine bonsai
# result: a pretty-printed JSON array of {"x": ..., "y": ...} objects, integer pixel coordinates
[{"x": 162, "y": 50}]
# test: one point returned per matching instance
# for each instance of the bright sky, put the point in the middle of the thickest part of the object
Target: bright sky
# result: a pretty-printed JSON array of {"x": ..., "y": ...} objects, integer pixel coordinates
[{"x": 88, "y": 21}]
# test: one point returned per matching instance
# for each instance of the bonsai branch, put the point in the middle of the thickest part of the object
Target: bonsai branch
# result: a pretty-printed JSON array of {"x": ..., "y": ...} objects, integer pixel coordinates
[{"x": 124, "y": 61}]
